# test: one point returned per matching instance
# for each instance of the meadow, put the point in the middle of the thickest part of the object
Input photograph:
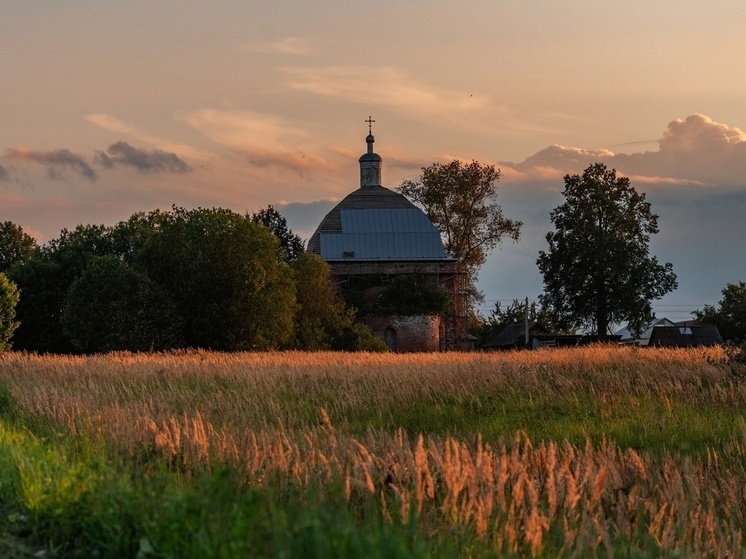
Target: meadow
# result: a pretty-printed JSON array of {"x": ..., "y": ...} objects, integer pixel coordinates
[{"x": 581, "y": 452}]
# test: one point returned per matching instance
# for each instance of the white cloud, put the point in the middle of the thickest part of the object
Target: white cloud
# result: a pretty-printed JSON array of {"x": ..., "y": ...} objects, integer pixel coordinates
[
  {"x": 556, "y": 161},
  {"x": 695, "y": 151},
  {"x": 699, "y": 133}
]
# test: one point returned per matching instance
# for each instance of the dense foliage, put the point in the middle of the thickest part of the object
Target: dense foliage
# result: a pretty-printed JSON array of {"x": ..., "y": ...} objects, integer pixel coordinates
[
  {"x": 291, "y": 245},
  {"x": 730, "y": 314},
  {"x": 226, "y": 278},
  {"x": 411, "y": 294},
  {"x": 203, "y": 278},
  {"x": 460, "y": 200},
  {"x": 597, "y": 270},
  {"x": 113, "y": 306},
  {"x": 15, "y": 245},
  {"x": 8, "y": 302},
  {"x": 322, "y": 320}
]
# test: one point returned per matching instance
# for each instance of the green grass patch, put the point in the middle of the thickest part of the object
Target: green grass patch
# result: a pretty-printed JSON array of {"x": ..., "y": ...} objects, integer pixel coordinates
[
  {"x": 67, "y": 503},
  {"x": 113, "y": 490},
  {"x": 650, "y": 424}
]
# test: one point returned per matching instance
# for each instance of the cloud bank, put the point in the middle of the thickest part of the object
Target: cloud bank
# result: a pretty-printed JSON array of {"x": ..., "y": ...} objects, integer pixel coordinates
[
  {"x": 691, "y": 151},
  {"x": 153, "y": 161},
  {"x": 61, "y": 162},
  {"x": 57, "y": 162}
]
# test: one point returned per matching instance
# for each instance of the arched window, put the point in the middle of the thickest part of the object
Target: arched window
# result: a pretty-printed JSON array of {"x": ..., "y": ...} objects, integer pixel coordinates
[{"x": 389, "y": 337}]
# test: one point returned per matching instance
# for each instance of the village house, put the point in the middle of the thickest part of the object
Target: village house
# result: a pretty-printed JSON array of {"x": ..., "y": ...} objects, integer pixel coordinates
[{"x": 661, "y": 332}]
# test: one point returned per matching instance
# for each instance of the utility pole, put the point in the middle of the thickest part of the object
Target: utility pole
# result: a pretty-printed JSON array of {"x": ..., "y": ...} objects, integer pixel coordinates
[{"x": 525, "y": 319}]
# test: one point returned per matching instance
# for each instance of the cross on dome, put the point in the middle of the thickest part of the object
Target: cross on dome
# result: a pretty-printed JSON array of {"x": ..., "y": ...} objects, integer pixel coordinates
[{"x": 370, "y": 122}]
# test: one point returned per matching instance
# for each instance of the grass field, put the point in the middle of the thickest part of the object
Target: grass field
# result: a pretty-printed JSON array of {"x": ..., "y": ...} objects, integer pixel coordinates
[{"x": 598, "y": 451}]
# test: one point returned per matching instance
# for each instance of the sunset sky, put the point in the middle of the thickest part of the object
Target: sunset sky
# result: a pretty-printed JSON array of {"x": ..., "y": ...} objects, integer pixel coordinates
[{"x": 109, "y": 108}]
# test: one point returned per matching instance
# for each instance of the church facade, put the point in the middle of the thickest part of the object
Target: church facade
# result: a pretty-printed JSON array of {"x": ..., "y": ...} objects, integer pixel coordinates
[{"x": 374, "y": 236}]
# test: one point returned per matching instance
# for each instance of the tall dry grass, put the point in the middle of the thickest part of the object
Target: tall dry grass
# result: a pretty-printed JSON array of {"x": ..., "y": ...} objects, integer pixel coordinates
[
  {"x": 281, "y": 419},
  {"x": 253, "y": 388}
]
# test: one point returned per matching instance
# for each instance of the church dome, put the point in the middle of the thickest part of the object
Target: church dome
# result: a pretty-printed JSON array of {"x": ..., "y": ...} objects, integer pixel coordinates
[{"x": 375, "y": 223}]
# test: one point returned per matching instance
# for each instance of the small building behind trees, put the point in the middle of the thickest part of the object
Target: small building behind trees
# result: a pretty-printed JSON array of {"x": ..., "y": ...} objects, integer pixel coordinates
[
  {"x": 641, "y": 336},
  {"x": 387, "y": 259},
  {"x": 513, "y": 336},
  {"x": 534, "y": 335},
  {"x": 685, "y": 336},
  {"x": 662, "y": 332}
]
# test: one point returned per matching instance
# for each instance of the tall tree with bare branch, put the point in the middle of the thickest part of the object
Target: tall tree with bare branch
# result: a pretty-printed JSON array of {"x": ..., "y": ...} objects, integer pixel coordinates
[{"x": 460, "y": 199}]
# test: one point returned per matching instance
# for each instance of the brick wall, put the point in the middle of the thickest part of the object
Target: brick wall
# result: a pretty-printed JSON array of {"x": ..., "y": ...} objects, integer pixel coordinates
[{"x": 407, "y": 334}]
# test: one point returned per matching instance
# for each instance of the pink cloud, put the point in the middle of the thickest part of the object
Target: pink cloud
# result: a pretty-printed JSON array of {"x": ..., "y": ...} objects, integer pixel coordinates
[
  {"x": 563, "y": 158},
  {"x": 697, "y": 133},
  {"x": 695, "y": 151},
  {"x": 299, "y": 162},
  {"x": 13, "y": 200}
]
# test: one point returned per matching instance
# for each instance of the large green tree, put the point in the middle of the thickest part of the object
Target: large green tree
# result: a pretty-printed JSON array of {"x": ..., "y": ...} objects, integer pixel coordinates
[
  {"x": 44, "y": 279},
  {"x": 224, "y": 272},
  {"x": 323, "y": 321},
  {"x": 598, "y": 270},
  {"x": 15, "y": 245},
  {"x": 730, "y": 314},
  {"x": 460, "y": 199},
  {"x": 8, "y": 302},
  {"x": 111, "y": 306},
  {"x": 291, "y": 245}
]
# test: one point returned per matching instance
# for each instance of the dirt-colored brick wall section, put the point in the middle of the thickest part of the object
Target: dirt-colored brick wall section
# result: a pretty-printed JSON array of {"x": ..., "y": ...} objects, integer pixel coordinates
[{"x": 407, "y": 334}]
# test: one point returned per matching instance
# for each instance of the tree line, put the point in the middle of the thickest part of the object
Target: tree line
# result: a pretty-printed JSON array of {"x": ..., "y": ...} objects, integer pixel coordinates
[
  {"x": 203, "y": 278},
  {"x": 211, "y": 278},
  {"x": 597, "y": 269}
]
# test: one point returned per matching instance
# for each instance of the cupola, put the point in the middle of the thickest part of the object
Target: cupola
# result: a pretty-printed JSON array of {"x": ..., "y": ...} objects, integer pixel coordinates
[{"x": 370, "y": 162}]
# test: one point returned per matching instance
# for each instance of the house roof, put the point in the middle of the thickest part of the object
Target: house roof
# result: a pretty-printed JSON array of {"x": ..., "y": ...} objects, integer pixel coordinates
[
  {"x": 513, "y": 335},
  {"x": 626, "y": 333},
  {"x": 685, "y": 336}
]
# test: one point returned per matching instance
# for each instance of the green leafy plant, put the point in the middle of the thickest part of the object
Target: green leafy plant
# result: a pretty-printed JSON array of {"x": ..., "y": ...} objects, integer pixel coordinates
[{"x": 9, "y": 296}]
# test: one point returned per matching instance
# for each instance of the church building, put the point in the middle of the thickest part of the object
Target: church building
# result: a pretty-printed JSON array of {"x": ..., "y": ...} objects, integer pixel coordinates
[{"x": 374, "y": 236}]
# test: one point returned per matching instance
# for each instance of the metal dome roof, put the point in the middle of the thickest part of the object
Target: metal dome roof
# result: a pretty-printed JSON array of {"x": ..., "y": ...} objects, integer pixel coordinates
[{"x": 375, "y": 223}]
